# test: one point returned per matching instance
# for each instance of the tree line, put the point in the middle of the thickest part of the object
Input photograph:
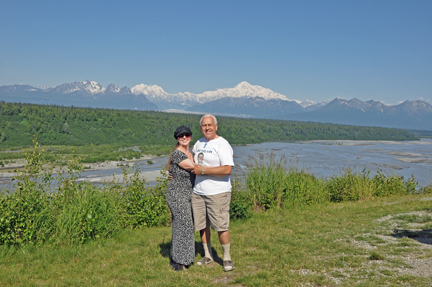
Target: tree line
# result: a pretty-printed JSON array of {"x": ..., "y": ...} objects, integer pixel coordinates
[{"x": 73, "y": 126}]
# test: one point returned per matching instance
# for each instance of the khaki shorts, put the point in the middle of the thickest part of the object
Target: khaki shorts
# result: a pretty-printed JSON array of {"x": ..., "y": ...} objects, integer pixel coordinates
[{"x": 211, "y": 210}]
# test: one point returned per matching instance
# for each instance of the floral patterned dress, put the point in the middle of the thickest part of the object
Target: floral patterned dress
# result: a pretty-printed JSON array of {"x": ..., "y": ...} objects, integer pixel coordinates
[{"x": 179, "y": 194}]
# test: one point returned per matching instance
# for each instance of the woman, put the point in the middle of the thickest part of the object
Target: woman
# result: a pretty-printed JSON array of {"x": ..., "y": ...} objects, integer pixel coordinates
[{"x": 179, "y": 194}]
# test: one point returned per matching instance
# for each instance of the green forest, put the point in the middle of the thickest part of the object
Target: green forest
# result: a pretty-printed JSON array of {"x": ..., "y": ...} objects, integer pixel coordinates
[{"x": 72, "y": 126}]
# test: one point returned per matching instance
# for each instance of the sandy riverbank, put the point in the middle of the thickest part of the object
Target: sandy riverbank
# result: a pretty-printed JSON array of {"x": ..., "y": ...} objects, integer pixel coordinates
[
  {"x": 6, "y": 173},
  {"x": 149, "y": 176},
  {"x": 367, "y": 142}
]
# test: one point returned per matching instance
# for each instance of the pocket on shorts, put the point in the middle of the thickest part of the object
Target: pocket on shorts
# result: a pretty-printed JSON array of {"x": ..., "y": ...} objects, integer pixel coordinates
[{"x": 224, "y": 211}]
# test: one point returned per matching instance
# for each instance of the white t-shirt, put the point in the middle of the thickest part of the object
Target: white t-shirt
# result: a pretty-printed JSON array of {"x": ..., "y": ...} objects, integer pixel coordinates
[{"x": 217, "y": 152}]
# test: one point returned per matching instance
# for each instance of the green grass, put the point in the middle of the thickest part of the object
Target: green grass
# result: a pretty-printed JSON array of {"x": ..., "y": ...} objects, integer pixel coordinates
[{"x": 313, "y": 245}]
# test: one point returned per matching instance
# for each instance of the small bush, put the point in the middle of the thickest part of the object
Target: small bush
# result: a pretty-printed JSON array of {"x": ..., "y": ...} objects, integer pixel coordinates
[
  {"x": 87, "y": 214},
  {"x": 350, "y": 186},
  {"x": 389, "y": 185},
  {"x": 22, "y": 212},
  {"x": 265, "y": 181},
  {"x": 302, "y": 188},
  {"x": 241, "y": 205},
  {"x": 426, "y": 189},
  {"x": 143, "y": 206}
]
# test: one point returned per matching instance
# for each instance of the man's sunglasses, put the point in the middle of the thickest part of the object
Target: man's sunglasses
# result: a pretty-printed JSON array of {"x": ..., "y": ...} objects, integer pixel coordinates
[{"x": 188, "y": 135}]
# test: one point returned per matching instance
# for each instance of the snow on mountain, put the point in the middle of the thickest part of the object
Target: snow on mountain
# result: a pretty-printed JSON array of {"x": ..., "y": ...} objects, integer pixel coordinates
[
  {"x": 43, "y": 87},
  {"x": 86, "y": 87},
  {"x": 305, "y": 103},
  {"x": 417, "y": 108},
  {"x": 357, "y": 104},
  {"x": 153, "y": 91},
  {"x": 17, "y": 88},
  {"x": 93, "y": 87},
  {"x": 243, "y": 89},
  {"x": 112, "y": 89}
]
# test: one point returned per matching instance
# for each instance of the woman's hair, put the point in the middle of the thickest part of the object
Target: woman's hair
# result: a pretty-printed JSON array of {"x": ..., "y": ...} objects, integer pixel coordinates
[{"x": 168, "y": 164}]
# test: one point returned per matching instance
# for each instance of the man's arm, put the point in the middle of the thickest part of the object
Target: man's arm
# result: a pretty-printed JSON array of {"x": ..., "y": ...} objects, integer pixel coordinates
[{"x": 215, "y": 171}]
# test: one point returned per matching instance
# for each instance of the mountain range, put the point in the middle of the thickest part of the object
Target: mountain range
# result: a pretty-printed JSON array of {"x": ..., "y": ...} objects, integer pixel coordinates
[{"x": 243, "y": 100}]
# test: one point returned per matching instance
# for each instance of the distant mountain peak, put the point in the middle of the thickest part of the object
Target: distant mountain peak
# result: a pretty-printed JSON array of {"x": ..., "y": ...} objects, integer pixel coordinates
[
  {"x": 243, "y": 89},
  {"x": 243, "y": 85},
  {"x": 143, "y": 89},
  {"x": 111, "y": 88}
]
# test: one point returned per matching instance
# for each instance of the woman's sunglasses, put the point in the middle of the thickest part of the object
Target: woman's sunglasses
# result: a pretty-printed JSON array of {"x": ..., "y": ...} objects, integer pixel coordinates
[{"x": 188, "y": 135}]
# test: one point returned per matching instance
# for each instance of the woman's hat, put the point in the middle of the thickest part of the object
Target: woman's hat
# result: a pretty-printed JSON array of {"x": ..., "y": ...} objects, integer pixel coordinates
[{"x": 182, "y": 130}]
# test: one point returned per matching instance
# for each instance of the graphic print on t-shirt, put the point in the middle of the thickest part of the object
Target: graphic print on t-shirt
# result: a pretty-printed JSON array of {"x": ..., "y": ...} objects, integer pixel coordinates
[
  {"x": 201, "y": 158},
  {"x": 201, "y": 152}
]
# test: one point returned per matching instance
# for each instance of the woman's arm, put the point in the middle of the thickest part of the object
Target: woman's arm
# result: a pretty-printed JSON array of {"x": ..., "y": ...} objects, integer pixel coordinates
[{"x": 187, "y": 164}]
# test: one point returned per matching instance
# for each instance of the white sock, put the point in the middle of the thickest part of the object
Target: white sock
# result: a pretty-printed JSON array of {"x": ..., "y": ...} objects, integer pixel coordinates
[
  {"x": 207, "y": 250},
  {"x": 226, "y": 251}
]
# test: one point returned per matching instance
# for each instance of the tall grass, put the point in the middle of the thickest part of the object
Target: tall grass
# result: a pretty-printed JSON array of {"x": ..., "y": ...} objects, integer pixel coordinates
[
  {"x": 75, "y": 213},
  {"x": 272, "y": 181},
  {"x": 265, "y": 181}
]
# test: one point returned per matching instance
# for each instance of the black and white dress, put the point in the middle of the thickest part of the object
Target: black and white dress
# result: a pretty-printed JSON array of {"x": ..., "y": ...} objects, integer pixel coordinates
[{"x": 178, "y": 195}]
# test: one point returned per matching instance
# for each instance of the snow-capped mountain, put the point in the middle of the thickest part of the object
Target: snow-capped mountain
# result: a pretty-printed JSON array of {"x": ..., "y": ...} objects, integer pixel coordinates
[
  {"x": 407, "y": 115},
  {"x": 17, "y": 89},
  {"x": 86, "y": 88},
  {"x": 111, "y": 88},
  {"x": 164, "y": 100},
  {"x": 376, "y": 106},
  {"x": 243, "y": 89},
  {"x": 153, "y": 91},
  {"x": 80, "y": 94}
]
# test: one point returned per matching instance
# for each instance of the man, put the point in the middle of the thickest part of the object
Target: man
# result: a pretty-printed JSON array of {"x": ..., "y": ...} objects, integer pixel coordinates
[{"x": 212, "y": 191}]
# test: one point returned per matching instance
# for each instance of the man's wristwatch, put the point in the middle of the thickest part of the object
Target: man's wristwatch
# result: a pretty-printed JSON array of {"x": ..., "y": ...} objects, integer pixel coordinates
[{"x": 202, "y": 171}]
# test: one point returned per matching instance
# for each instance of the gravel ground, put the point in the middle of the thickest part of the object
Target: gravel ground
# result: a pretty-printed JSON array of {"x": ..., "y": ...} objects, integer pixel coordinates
[{"x": 396, "y": 230}]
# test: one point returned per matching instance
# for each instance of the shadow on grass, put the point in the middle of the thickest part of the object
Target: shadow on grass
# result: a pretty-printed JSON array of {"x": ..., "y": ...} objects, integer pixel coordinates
[
  {"x": 422, "y": 236},
  {"x": 165, "y": 251}
]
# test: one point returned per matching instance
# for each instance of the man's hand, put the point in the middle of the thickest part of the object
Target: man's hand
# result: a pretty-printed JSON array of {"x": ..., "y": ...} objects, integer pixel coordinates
[
  {"x": 170, "y": 177},
  {"x": 197, "y": 169}
]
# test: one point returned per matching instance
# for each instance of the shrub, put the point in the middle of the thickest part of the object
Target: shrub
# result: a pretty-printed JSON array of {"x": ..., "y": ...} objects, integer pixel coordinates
[
  {"x": 76, "y": 213},
  {"x": 265, "y": 180},
  {"x": 241, "y": 205},
  {"x": 84, "y": 215},
  {"x": 388, "y": 185},
  {"x": 143, "y": 206},
  {"x": 303, "y": 188},
  {"x": 350, "y": 186},
  {"x": 22, "y": 212}
]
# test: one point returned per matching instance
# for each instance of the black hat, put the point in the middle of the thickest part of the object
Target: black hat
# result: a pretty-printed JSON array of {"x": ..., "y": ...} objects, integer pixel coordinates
[{"x": 182, "y": 130}]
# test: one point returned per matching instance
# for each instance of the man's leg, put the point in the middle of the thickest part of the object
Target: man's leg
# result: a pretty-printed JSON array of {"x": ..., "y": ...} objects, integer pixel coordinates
[
  {"x": 224, "y": 239},
  {"x": 205, "y": 239}
]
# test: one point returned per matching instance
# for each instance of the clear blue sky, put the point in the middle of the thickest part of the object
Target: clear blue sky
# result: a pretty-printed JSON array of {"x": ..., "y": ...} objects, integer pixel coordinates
[{"x": 316, "y": 50}]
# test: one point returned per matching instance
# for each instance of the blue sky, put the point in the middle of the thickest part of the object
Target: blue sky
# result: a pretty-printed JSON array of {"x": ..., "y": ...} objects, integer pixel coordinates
[{"x": 315, "y": 50}]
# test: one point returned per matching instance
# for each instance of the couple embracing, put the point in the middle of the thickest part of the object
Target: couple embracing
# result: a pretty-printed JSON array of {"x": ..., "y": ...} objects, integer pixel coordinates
[{"x": 199, "y": 194}]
